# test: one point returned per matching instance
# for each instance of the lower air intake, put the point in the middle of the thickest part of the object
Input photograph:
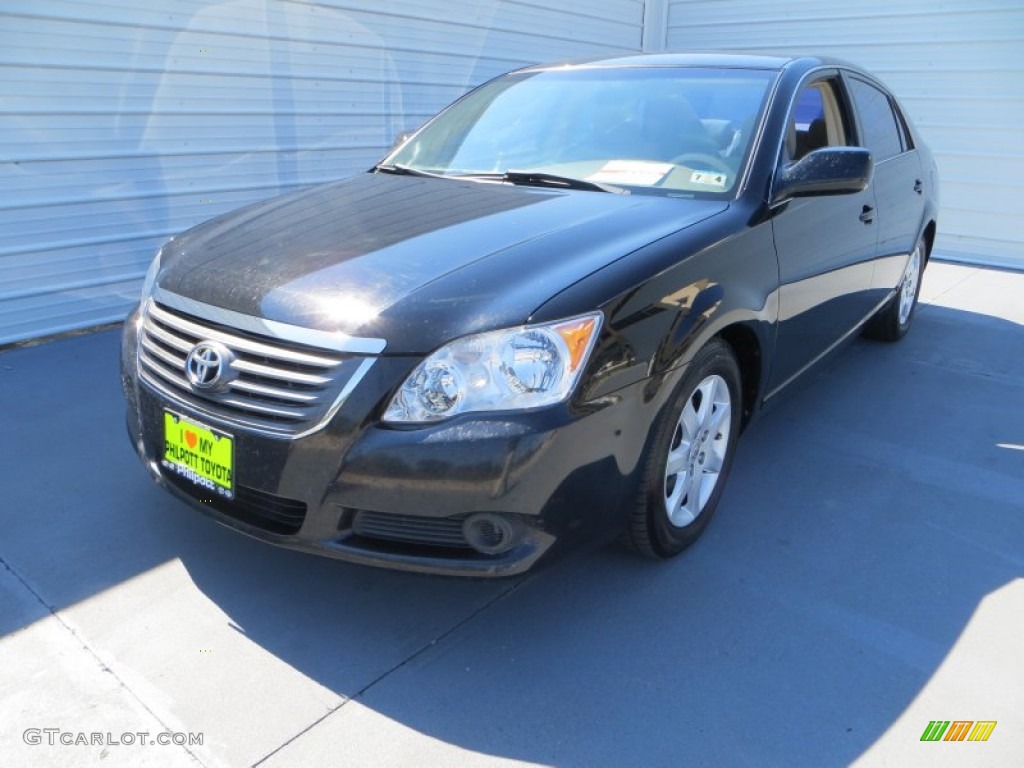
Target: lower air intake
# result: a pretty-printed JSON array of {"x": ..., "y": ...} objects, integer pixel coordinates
[
  {"x": 427, "y": 531},
  {"x": 259, "y": 509}
]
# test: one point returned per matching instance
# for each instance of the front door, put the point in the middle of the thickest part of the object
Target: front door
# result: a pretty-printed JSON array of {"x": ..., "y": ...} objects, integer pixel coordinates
[{"x": 826, "y": 245}]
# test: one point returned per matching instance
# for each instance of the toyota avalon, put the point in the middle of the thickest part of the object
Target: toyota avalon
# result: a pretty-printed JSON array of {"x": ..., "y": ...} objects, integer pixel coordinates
[{"x": 550, "y": 310}]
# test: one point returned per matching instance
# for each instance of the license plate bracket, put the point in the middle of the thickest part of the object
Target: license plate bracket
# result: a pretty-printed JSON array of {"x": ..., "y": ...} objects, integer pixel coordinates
[{"x": 201, "y": 454}]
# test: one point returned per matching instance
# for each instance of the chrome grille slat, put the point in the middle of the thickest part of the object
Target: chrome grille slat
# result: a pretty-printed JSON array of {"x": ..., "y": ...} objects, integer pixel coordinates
[
  {"x": 280, "y": 394},
  {"x": 280, "y": 373},
  {"x": 157, "y": 367},
  {"x": 240, "y": 343},
  {"x": 282, "y": 411},
  {"x": 169, "y": 339},
  {"x": 277, "y": 386},
  {"x": 163, "y": 354}
]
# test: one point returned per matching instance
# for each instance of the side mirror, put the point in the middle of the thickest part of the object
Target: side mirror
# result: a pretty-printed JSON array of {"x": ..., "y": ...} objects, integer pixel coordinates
[{"x": 825, "y": 171}]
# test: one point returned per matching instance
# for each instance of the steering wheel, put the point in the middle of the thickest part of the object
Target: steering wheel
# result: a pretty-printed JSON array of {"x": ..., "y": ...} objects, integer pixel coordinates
[{"x": 701, "y": 157}]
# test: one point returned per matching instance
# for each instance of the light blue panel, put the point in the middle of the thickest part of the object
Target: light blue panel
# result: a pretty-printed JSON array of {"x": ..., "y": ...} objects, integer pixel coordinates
[
  {"x": 123, "y": 122},
  {"x": 956, "y": 66}
]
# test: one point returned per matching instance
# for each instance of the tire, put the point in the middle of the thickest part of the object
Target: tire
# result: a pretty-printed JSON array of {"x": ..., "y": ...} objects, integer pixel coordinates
[
  {"x": 698, "y": 431},
  {"x": 892, "y": 321}
]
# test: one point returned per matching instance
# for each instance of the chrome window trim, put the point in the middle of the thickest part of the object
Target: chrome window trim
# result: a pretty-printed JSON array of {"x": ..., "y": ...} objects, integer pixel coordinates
[
  {"x": 820, "y": 72},
  {"x": 332, "y": 340},
  {"x": 758, "y": 137}
]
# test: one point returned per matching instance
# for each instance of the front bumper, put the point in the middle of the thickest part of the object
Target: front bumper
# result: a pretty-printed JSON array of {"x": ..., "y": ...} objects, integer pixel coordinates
[{"x": 390, "y": 497}]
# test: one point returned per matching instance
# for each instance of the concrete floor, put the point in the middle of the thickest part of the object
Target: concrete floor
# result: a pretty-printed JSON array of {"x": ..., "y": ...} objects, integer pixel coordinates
[{"x": 863, "y": 577}]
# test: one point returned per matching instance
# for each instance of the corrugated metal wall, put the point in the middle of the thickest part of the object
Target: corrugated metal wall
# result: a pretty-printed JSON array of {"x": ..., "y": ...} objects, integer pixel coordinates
[
  {"x": 957, "y": 66},
  {"x": 123, "y": 122}
]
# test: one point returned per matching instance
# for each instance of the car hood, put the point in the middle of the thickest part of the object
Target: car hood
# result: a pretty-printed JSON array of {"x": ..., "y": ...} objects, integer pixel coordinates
[{"x": 412, "y": 260}]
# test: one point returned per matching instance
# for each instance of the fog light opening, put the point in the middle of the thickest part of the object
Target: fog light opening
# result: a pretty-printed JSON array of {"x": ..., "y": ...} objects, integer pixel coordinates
[{"x": 490, "y": 534}]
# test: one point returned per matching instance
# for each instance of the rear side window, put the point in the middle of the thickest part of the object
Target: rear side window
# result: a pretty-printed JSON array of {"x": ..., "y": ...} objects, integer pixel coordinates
[{"x": 877, "y": 120}]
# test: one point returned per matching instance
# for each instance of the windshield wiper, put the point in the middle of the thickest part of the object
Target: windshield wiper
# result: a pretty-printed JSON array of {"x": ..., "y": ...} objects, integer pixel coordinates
[
  {"x": 541, "y": 179},
  {"x": 407, "y": 170}
]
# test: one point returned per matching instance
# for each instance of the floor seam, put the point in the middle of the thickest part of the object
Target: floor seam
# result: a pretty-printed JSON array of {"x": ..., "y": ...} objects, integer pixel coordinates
[
  {"x": 971, "y": 272},
  {"x": 52, "y": 611},
  {"x": 387, "y": 673}
]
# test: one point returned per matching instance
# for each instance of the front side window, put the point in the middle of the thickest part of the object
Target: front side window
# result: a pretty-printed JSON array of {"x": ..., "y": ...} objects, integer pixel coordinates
[
  {"x": 671, "y": 130},
  {"x": 816, "y": 120},
  {"x": 878, "y": 122}
]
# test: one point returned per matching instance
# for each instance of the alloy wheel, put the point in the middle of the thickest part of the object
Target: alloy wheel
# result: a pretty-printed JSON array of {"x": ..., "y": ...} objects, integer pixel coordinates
[
  {"x": 908, "y": 288},
  {"x": 697, "y": 450}
]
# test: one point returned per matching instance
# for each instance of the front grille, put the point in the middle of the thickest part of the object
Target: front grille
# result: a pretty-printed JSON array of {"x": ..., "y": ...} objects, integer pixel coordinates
[
  {"x": 277, "y": 386},
  {"x": 276, "y": 514},
  {"x": 431, "y": 531}
]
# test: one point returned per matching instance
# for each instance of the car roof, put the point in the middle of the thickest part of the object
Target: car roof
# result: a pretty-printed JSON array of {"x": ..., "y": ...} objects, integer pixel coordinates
[{"x": 704, "y": 59}]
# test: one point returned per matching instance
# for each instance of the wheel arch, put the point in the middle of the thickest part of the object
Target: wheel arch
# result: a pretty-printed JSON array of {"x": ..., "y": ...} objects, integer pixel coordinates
[
  {"x": 746, "y": 347},
  {"x": 929, "y": 238}
]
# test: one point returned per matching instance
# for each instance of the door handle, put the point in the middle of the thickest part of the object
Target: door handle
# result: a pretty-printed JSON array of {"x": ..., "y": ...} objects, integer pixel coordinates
[
  {"x": 918, "y": 186},
  {"x": 867, "y": 215}
]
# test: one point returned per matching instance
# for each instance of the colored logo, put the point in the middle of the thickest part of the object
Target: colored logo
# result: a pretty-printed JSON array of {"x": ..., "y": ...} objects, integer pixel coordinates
[{"x": 958, "y": 730}]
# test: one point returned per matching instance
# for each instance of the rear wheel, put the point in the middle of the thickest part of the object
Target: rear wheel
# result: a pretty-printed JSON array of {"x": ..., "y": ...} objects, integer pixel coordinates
[
  {"x": 688, "y": 460},
  {"x": 893, "y": 320}
]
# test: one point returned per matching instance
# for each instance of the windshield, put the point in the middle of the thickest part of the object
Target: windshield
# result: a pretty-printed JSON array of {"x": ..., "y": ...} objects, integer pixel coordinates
[{"x": 674, "y": 130}]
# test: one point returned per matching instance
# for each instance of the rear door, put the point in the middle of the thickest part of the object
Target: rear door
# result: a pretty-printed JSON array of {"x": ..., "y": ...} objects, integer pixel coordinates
[
  {"x": 898, "y": 183},
  {"x": 826, "y": 245}
]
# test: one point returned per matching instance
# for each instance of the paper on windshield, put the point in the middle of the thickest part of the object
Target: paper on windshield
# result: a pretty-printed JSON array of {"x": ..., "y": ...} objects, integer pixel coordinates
[{"x": 637, "y": 172}]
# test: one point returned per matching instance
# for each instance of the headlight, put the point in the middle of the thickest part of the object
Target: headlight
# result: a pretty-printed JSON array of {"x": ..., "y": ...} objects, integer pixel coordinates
[
  {"x": 512, "y": 369},
  {"x": 150, "y": 280}
]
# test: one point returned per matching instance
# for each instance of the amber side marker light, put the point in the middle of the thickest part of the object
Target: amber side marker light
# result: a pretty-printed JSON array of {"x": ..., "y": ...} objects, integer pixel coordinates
[{"x": 576, "y": 336}]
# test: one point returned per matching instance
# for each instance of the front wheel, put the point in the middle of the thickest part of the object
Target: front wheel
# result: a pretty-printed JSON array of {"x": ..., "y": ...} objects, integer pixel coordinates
[
  {"x": 689, "y": 457},
  {"x": 893, "y": 320}
]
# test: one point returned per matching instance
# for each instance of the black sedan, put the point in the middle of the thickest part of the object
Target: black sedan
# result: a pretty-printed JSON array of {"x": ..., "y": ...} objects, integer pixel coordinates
[{"x": 552, "y": 308}]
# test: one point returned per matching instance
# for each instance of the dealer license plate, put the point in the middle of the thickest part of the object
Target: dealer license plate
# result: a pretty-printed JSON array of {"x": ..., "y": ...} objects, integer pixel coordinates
[{"x": 200, "y": 454}]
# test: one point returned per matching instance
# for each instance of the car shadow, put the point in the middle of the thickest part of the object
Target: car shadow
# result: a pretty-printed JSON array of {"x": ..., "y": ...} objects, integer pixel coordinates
[{"x": 868, "y": 515}]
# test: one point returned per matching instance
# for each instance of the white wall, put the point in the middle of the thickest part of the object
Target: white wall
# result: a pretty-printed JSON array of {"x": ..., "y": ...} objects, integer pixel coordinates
[
  {"x": 956, "y": 65},
  {"x": 125, "y": 121}
]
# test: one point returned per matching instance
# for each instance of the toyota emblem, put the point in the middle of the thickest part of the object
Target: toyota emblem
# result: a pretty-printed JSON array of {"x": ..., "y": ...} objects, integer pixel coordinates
[{"x": 207, "y": 366}]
